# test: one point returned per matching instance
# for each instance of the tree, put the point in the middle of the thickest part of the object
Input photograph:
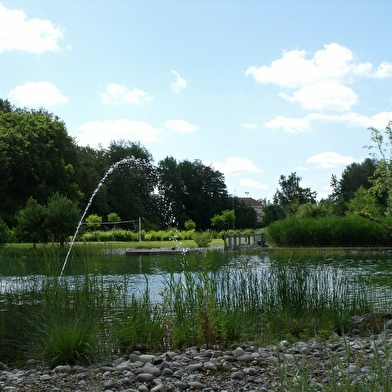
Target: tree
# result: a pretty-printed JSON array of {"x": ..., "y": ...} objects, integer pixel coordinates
[
  {"x": 272, "y": 213},
  {"x": 5, "y": 234},
  {"x": 130, "y": 188},
  {"x": 191, "y": 190},
  {"x": 353, "y": 177},
  {"x": 37, "y": 158},
  {"x": 61, "y": 217},
  {"x": 170, "y": 190},
  {"x": 365, "y": 202},
  {"x": 31, "y": 223},
  {"x": 291, "y": 194},
  {"x": 381, "y": 149},
  {"x": 225, "y": 220},
  {"x": 246, "y": 216},
  {"x": 310, "y": 210}
]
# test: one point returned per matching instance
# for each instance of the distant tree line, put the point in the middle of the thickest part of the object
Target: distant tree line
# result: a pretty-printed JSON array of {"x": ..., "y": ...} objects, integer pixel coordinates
[
  {"x": 43, "y": 169},
  {"x": 47, "y": 180}
]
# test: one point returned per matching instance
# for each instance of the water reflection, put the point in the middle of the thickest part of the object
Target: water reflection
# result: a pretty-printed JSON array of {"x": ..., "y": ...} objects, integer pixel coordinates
[{"x": 135, "y": 274}]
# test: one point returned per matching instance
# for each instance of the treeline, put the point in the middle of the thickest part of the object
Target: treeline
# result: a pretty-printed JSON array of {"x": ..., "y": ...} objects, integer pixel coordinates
[
  {"x": 356, "y": 213},
  {"x": 42, "y": 167}
]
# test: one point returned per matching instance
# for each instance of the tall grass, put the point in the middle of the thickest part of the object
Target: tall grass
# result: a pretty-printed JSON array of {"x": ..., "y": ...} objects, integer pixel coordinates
[
  {"x": 350, "y": 231},
  {"x": 205, "y": 301}
]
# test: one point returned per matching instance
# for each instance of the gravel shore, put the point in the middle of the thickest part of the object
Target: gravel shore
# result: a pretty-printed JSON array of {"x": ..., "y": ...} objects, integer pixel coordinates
[{"x": 349, "y": 360}]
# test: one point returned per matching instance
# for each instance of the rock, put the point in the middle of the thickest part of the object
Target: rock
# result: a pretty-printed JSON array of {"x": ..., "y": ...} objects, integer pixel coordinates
[{"x": 145, "y": 377}]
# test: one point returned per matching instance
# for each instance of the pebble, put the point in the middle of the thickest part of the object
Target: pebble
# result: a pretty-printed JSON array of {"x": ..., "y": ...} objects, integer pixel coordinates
[{"x": 246, "y": 368}]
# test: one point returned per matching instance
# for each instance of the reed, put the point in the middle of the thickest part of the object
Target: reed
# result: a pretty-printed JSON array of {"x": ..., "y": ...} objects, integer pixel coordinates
[
  {"x": 351, "y": 230},
  {"x": 206, "y": 300}
]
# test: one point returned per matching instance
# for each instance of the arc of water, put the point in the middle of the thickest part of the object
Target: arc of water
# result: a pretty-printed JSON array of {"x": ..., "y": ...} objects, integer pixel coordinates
[{"x": 109, "y": 171}]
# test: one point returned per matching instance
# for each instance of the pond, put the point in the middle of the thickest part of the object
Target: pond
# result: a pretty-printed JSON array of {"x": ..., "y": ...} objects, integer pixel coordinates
[{"x": 323, "y": 272}]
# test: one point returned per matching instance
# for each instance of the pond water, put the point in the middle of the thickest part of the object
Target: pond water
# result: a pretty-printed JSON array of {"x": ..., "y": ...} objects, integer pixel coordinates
[{"x": 133, "y": 274}]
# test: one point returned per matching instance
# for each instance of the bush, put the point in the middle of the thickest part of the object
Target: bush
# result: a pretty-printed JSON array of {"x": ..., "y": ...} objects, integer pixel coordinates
[{"x": 203, "y": 239}]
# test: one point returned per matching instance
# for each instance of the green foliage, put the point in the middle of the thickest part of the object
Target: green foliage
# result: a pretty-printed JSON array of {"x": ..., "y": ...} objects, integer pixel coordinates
[
  {"x": 139, "y": 324},
  {"x": 190, "y": 190},
  {"x": 351, "y": 230},
  {"x": 37, "y": 158},
  {"x": 272, "y": 213},
  {"x": 203, "y": 239},
  {"x": 353, "y": 177},
  {"x": 190, "y": 225},
  {"x": 114, "y": 217},
  {"x": 245, "y": 216},
  {"x": 5, "y": 234},
  {"x": 366, "y": 202},
  {"x": 93, "y": 221},
  {"x": 291, "y": 193},
  {"x": 61, "y": 217},
  {"x": 68, "y": 342},
  {"x": 382, "y": 148},
  {"x": 31, "y": 223},
  {"x": 225, "y": 220},
  {"x": 310, "y": 210}
]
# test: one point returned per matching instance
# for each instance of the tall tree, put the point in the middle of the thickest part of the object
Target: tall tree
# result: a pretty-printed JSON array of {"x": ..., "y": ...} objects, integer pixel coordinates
[
  {"x": 170, "y": 190},
  {"x": 381, "y": 149},
  {"x": 37, "y": 158},
  {"x": 61, "y": 217},
  {"x": 245, "y": 216},
  {"x": 191, "y": 190},
  {"x": 291, "y": 194},
  {"x": 354, "y": 176},
  {"x": 31, "y": 223},
  {"x": 130, "y": 187}
]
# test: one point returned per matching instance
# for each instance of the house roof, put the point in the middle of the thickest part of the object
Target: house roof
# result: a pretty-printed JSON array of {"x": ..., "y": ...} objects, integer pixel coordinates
[{"x": 248, "y": 200}]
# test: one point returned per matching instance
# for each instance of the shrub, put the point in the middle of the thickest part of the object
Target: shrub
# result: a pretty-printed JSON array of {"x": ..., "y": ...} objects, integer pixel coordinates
[
  {"x": 93, "y": 221},
  {"x": 190, "y": 224},
  {"x": 203, "y": 239}
]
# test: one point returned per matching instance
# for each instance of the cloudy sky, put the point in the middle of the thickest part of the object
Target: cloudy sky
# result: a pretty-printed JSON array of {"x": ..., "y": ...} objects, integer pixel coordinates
[{"x": 255, "y": 88}]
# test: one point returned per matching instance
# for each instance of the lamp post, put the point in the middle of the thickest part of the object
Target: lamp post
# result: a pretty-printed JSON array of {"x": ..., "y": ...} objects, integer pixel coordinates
[{"x": 233, "y": 211}]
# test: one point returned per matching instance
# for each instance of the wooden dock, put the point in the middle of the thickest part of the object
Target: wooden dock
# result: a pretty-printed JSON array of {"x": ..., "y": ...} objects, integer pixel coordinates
[{"x": 156, "y": 252}]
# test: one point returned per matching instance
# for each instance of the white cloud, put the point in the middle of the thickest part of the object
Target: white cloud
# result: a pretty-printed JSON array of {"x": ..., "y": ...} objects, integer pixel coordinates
[
  {"x": 329, "y": 159},
  {"x": 94, "y": 133},
  {"x": 235, "y": 165},
  {"x": 378, "y": 120},
  {"x": 179, "y": 84},
  {"x": 17, "y": 32},
  {"x": 333, "y": 63},
  {"x": 37, "y": 94},
  {"x": 319, "y": 82},
  {"x": 116, "y": 94},
  {"x": 249, "y": 126},
  {"x": 384, "y": 70},
  {"x": 180, "y": 126},
  {"x": 248, "y": 183},
  {"x": 326, "y": 95},
  {"x": 352, "y": 119},
  {"x": 290, "y": 125}
]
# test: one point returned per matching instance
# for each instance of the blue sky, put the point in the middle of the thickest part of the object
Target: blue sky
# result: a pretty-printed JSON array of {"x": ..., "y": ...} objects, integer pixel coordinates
[{"x": 254, "y": 88}]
